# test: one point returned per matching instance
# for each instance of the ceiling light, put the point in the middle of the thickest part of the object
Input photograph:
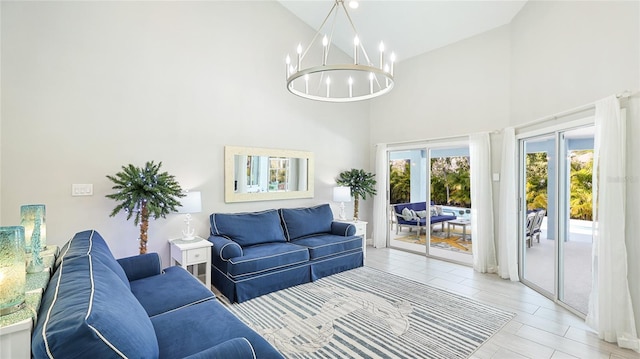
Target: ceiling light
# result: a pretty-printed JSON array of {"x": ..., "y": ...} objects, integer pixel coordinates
[
  {"x": 315, "y": 77},
  {"x": 354, "y": 4}
]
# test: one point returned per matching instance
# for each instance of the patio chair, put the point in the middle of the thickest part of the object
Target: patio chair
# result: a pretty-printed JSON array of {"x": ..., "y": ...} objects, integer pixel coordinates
[
  {"x": 531, "y": 218},
  {"x": 537, "y": 222}
]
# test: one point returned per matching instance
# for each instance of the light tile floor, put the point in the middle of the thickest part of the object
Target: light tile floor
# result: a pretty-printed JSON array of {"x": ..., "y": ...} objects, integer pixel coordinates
[{"x": 540, "y": 329}]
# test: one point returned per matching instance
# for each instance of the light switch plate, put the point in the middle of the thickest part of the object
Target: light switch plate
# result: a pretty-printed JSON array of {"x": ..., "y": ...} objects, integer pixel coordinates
[{"x": 85, "y": 189}]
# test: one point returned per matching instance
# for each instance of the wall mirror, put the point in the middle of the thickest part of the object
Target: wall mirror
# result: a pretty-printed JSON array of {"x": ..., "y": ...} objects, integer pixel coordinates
[{"x": 262, "y": 174}]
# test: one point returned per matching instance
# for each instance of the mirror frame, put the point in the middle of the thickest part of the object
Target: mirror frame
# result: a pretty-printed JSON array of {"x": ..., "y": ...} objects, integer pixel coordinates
[{"x": 229, "y": 161}]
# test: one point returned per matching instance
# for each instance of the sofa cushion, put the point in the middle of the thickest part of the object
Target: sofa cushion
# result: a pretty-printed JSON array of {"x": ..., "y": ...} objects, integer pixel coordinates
[
  {"x": 265, "y": 257},
  {"x": 323, "y": 246},
  {"x": 87, "y": 311},
  {"x": 198, "y": 327},
  {"x": 248, "y": 229},
  {"x": 157, "y": 294},
  {"x": 302, "y": 222},
  {"x": 91, "y": 242}
]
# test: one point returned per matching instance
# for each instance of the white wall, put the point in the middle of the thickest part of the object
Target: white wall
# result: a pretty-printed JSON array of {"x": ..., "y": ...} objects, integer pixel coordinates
[
  {"x": 90, "y": 86},
  {"x": 570, "y": 53},
  {"x": 456, "y": 90}
]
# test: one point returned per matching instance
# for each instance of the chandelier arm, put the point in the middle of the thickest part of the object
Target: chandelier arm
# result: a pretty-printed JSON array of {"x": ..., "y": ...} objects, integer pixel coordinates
[
  {"x": 353, "y": 27},
  {"x": 319, "y": 29},
  {"x": 333, "y": 28}
]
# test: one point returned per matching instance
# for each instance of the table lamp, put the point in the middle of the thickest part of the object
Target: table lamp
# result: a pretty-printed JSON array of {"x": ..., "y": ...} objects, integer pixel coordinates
[
  {"x": 191, "y": 203},
  {"x": 13, "y": 275},
  {"x": 342, "y": 195}
]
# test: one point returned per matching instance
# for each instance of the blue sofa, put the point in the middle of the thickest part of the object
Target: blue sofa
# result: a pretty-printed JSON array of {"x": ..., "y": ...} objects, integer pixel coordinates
[
  {"x": 261, "y": 252},
  {"x": 98, "y": 307},
  {"x": 435, "y": 216}
]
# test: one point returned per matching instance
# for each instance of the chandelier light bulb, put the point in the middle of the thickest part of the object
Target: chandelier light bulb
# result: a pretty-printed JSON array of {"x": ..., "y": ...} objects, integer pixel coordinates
[
  {"x": 328, "y": 85},
  {"x": 325, "y": 42},
  {"x": 287, "y": 61},
  {"x": 356, "y": 43},
  {"x": 306, "y": 83},
  {"x": 393, "y": 60},
  {"x": 354, "y": 4}
]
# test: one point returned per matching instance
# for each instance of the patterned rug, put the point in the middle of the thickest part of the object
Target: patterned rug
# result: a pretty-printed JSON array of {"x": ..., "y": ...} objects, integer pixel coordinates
[
  {"x": 440, "y": 240},
  {"x": 367, "y": 313}
]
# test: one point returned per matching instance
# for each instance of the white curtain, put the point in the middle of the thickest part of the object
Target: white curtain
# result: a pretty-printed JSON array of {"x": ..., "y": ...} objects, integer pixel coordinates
[
  {"x": 508, "y": 226},
  {"x": 483, "y": 244},
  {"x": 610, "y": 310},
  {"x": 380, "y": 220}
]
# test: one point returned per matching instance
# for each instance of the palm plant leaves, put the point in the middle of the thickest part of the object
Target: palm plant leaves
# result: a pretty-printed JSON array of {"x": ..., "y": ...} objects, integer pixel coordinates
[
  {"x": 362, "y": 183},
  {"x": 137, "y": 185}
]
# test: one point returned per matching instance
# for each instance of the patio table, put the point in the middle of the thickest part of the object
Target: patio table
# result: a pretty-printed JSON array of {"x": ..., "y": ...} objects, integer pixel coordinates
[{"x": 458, "y": 222}]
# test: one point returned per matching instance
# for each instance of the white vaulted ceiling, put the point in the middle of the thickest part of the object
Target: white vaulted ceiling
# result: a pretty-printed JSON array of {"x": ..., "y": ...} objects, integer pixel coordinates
[{"x": 409, "y": 28}]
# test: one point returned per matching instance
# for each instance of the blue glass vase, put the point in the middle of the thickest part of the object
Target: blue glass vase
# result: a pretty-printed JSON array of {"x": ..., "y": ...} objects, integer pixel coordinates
[
  {"x": 12, "y": 269},
  {"x": 32, "y": 218}
]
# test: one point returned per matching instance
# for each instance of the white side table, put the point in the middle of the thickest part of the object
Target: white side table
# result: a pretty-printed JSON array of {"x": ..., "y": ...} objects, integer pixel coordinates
[
  {"x": 361, "y": 230},
  {"x": 191, "y": 253}
]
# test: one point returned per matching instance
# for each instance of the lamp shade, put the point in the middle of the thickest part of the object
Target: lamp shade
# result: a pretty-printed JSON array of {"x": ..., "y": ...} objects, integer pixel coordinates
[
  {"x": 12, "y": 269},
  {"x": 342, "y": 194},
  {"x": 191, "y": 203},
  {"x": 32, "y": 218}
]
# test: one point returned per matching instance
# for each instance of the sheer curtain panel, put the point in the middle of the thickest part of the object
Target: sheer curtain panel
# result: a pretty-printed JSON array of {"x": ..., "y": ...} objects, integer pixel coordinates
[
  {"x": 483, "y": 244},
  {"x": 508, "y": 226},
  {"x": 610, "y": 309},
  {"x": 380, "y": 212}
]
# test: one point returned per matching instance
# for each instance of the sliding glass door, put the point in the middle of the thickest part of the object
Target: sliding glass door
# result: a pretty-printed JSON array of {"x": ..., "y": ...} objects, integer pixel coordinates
[
  {"x": 555, "y": 225},
  {"x": 429, "y": 201}
]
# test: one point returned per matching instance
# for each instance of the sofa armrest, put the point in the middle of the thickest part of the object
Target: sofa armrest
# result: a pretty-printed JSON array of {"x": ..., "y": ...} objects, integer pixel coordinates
[
  {"x": 141, "y": 266},
  {"x": 225, "y": 248},
  {"x": 232, "y": 348},
  {"x": 342, "y": 229}
]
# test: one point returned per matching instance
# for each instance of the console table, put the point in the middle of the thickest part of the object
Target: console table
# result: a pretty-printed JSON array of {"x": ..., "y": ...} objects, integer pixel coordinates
[{"x": 15, "y": 328}]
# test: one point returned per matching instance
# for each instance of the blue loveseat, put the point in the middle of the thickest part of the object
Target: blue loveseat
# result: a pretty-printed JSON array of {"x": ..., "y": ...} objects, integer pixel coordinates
[
  {"x": 98, "y": 307},
  {"x": 261, "y": 252},
  {"x": 434, "y": 214}
]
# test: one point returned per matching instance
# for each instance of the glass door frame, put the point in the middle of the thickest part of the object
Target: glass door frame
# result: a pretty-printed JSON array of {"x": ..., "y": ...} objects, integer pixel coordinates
[
  {"x": 427, "y": 146},
  {"x": 561, "y": 206}
]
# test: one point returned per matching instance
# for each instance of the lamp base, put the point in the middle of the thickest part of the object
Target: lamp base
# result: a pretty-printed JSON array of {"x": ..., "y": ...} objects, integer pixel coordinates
[
  {"x": 11, "y": 309},
  {"x": 342, "y": 215}
]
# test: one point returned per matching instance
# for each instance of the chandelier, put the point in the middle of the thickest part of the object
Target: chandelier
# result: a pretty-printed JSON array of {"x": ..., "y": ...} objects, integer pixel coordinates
[{"x": 342, "y": 82}]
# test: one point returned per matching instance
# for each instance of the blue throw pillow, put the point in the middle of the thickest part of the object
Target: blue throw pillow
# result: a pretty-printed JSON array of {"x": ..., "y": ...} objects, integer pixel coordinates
[
  {"x": 303, "y": 222},
  {"x": 248, "y": 229}
]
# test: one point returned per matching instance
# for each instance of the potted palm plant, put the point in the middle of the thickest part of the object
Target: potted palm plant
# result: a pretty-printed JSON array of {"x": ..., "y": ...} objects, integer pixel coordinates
[
  {"x": 361, "y": 183},
  {"x": 145, "y": 192}
]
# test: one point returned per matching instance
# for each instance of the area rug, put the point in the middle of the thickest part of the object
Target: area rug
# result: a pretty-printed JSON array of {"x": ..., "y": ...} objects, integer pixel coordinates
[
  {"x": 367, "y": 313},
  {"x": 440, "y": 240}
]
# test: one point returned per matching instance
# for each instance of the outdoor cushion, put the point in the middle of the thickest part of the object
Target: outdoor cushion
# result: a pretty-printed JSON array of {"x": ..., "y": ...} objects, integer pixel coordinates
[
  {"x": 85, "y": 305},
  {"x": 248, "y": 229},
  {"x": 328, "y": 245},
  {"x": 408, "y": 214},
  {"x": 261, "y": 258},
  {"x": 302, "y": 222},
  {"x": 156, "y": 294}
]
